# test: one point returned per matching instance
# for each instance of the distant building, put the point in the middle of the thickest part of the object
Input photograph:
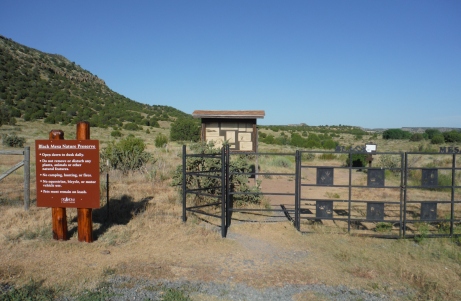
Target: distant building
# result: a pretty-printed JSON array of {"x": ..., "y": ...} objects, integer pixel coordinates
[{"x": 236, "y": 128}]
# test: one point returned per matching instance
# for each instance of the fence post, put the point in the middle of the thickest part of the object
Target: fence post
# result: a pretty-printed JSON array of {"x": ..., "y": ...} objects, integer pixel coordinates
[
  {"x": 452, "y": 205},
  {"x": 349, "y": 205},
  {"x": 297, "y": 190},
  {"x": 59, "y": 218},
  {"x": 223, "y": 191},
  {"x": 26, "y": 177},
  {"x": 184, "y": 195},
  {"x": 84, "y": 215},
  {"x": 228, "y": 195},
  {"x": 405, "y": 183},
  {"x": 402, "y": 188},
  {"x": 107, "y": 195}
]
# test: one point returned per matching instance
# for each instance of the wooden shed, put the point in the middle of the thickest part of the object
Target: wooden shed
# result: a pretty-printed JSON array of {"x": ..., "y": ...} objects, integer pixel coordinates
[{"x": 237, "y": 128}]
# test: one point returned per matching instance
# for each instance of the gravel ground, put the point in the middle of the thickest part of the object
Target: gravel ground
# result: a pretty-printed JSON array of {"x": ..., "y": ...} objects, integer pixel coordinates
[{"x": 125, "y": 288}]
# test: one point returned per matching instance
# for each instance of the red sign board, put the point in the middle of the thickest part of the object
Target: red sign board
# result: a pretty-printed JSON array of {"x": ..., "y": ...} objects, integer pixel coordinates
[{"x": 67, "y": 173}]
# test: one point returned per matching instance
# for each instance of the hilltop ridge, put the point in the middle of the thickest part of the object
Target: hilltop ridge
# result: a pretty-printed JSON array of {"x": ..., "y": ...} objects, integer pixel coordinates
[{"x": 35, "y": 85}]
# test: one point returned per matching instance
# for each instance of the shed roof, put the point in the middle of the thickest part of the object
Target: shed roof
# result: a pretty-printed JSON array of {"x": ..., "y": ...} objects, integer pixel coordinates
[{"x": 228, "y": 114}]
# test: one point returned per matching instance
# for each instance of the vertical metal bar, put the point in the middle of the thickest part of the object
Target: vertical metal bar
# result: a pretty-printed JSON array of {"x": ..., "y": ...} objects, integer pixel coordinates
[
  {"x": 107, "y": 195},
  {"x": 228, "y": 198},
  {"x": 26, "y": 177},
  {"x": 453, "y": 173},
  {"x": 402, "y": 188},
  {"x": 184, "y": 218},
  {"x": 297, "y": 192},
  {"x": 404, "y": 226},
  {"x": 350, "y": 194},
  {"x": 223, "y": 191}
]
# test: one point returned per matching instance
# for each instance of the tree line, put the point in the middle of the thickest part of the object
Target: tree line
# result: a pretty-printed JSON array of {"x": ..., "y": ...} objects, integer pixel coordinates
[{"x": 435, "y": 136}]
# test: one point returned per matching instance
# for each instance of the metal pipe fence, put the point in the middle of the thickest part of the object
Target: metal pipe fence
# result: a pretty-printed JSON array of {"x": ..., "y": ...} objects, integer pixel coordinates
[{"x": 401, "y": 195}]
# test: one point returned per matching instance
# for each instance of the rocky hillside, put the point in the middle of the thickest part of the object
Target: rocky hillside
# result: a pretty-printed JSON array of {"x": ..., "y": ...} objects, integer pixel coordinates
[{"x": 37, "y": 85}]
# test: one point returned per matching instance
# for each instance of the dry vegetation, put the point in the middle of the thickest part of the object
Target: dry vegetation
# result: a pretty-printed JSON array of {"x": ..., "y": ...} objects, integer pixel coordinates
[{"x": 143, "y": 236}]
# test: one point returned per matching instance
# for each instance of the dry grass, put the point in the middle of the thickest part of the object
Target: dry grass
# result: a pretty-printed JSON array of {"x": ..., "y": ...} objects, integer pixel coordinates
[{"x": 145, "y": 237}]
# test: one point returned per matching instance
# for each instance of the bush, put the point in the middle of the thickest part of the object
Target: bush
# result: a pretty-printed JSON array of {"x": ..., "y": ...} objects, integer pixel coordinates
[
  {"x": 185, "y": 129},
  {"x": 396, "y": 134},
  {"x": 329, "y": 144},
  {"x": 416, "y": 137},
  {"x": 131, "y": 126},
  {"x": 431, "y": 133},
  {"x": 358, "y": 160},
  {"x": 238, "y": 181},
  {"x": 452, "y": 136},
  {"x": 313, "y": 141},
  {"x": 269, "y": 139},
  {"x": 116, "y": 134},
  {"x": 161, "y": 140},
  {"x": 13, "y": 140},
  {"x": 438, "y": 139},
  {"x": 126, "y": 155}
]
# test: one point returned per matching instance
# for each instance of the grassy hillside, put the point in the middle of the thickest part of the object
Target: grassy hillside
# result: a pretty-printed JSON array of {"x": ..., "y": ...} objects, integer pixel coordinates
[{"x": 39, "y": 86}]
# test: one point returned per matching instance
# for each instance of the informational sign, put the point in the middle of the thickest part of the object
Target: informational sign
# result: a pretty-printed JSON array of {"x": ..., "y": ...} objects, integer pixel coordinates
[
  {"x": 67, "y": 173},
  {"x": 370, "y": 148}
]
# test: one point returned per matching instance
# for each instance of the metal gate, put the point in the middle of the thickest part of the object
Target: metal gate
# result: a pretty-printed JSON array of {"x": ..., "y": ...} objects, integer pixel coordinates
[{"x": 397, "y": 195}]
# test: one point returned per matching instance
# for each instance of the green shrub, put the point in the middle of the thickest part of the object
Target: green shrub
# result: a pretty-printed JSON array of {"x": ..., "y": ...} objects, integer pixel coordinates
[
  {"x": 126, "y": 155},
  {"x": 116, "y": 133},
  {"x": 431, "y": 133},
  {"x": 161, "y": 140},
  {"x": 438, "y": 139},
  {"x": 396, "y": 134},
  {"x": 358, "y": 160},
  {"x": 13, "y": 141},
  {"x": 270, "y": 139},
  {"x": 238, "y": 181},
  {"x": 329, "y": 144},
  {"x": 131, "y": 126},
  {"x": 452, "y": 136},
  {"x": 416, "y": 137},
  {"x": 383, "y": 227},
  {"x": 185, "y": 129}
]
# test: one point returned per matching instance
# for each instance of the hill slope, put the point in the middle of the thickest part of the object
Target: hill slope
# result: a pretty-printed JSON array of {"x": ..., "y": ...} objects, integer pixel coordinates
[{"x": 36, "y": 85}]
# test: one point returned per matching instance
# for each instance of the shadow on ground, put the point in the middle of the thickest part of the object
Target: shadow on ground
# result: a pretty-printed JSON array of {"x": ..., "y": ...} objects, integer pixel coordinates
[{"x": 118, "y": 211}]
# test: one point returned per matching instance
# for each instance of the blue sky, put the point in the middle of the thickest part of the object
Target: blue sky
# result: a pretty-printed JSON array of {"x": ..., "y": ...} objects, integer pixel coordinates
[{"x": 373, "y": 64}]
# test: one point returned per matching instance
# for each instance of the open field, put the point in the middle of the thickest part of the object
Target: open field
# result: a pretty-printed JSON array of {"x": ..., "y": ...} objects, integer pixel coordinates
[{"x": 141, "y": 244}]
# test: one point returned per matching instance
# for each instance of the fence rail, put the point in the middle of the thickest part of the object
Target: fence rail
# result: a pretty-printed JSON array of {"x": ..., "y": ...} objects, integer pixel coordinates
[{"x": 26, "y": 163}]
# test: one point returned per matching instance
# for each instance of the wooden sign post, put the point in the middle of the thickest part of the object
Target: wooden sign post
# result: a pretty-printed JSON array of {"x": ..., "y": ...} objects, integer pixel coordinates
[
  {"x": 67, "y": 173},
  {"x": 59, "y": 218},
  {"x": 84, "y": 215}
]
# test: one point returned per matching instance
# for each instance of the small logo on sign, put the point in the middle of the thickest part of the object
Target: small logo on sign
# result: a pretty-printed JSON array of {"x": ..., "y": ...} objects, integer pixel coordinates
[{"x": 67, "y": 200}]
